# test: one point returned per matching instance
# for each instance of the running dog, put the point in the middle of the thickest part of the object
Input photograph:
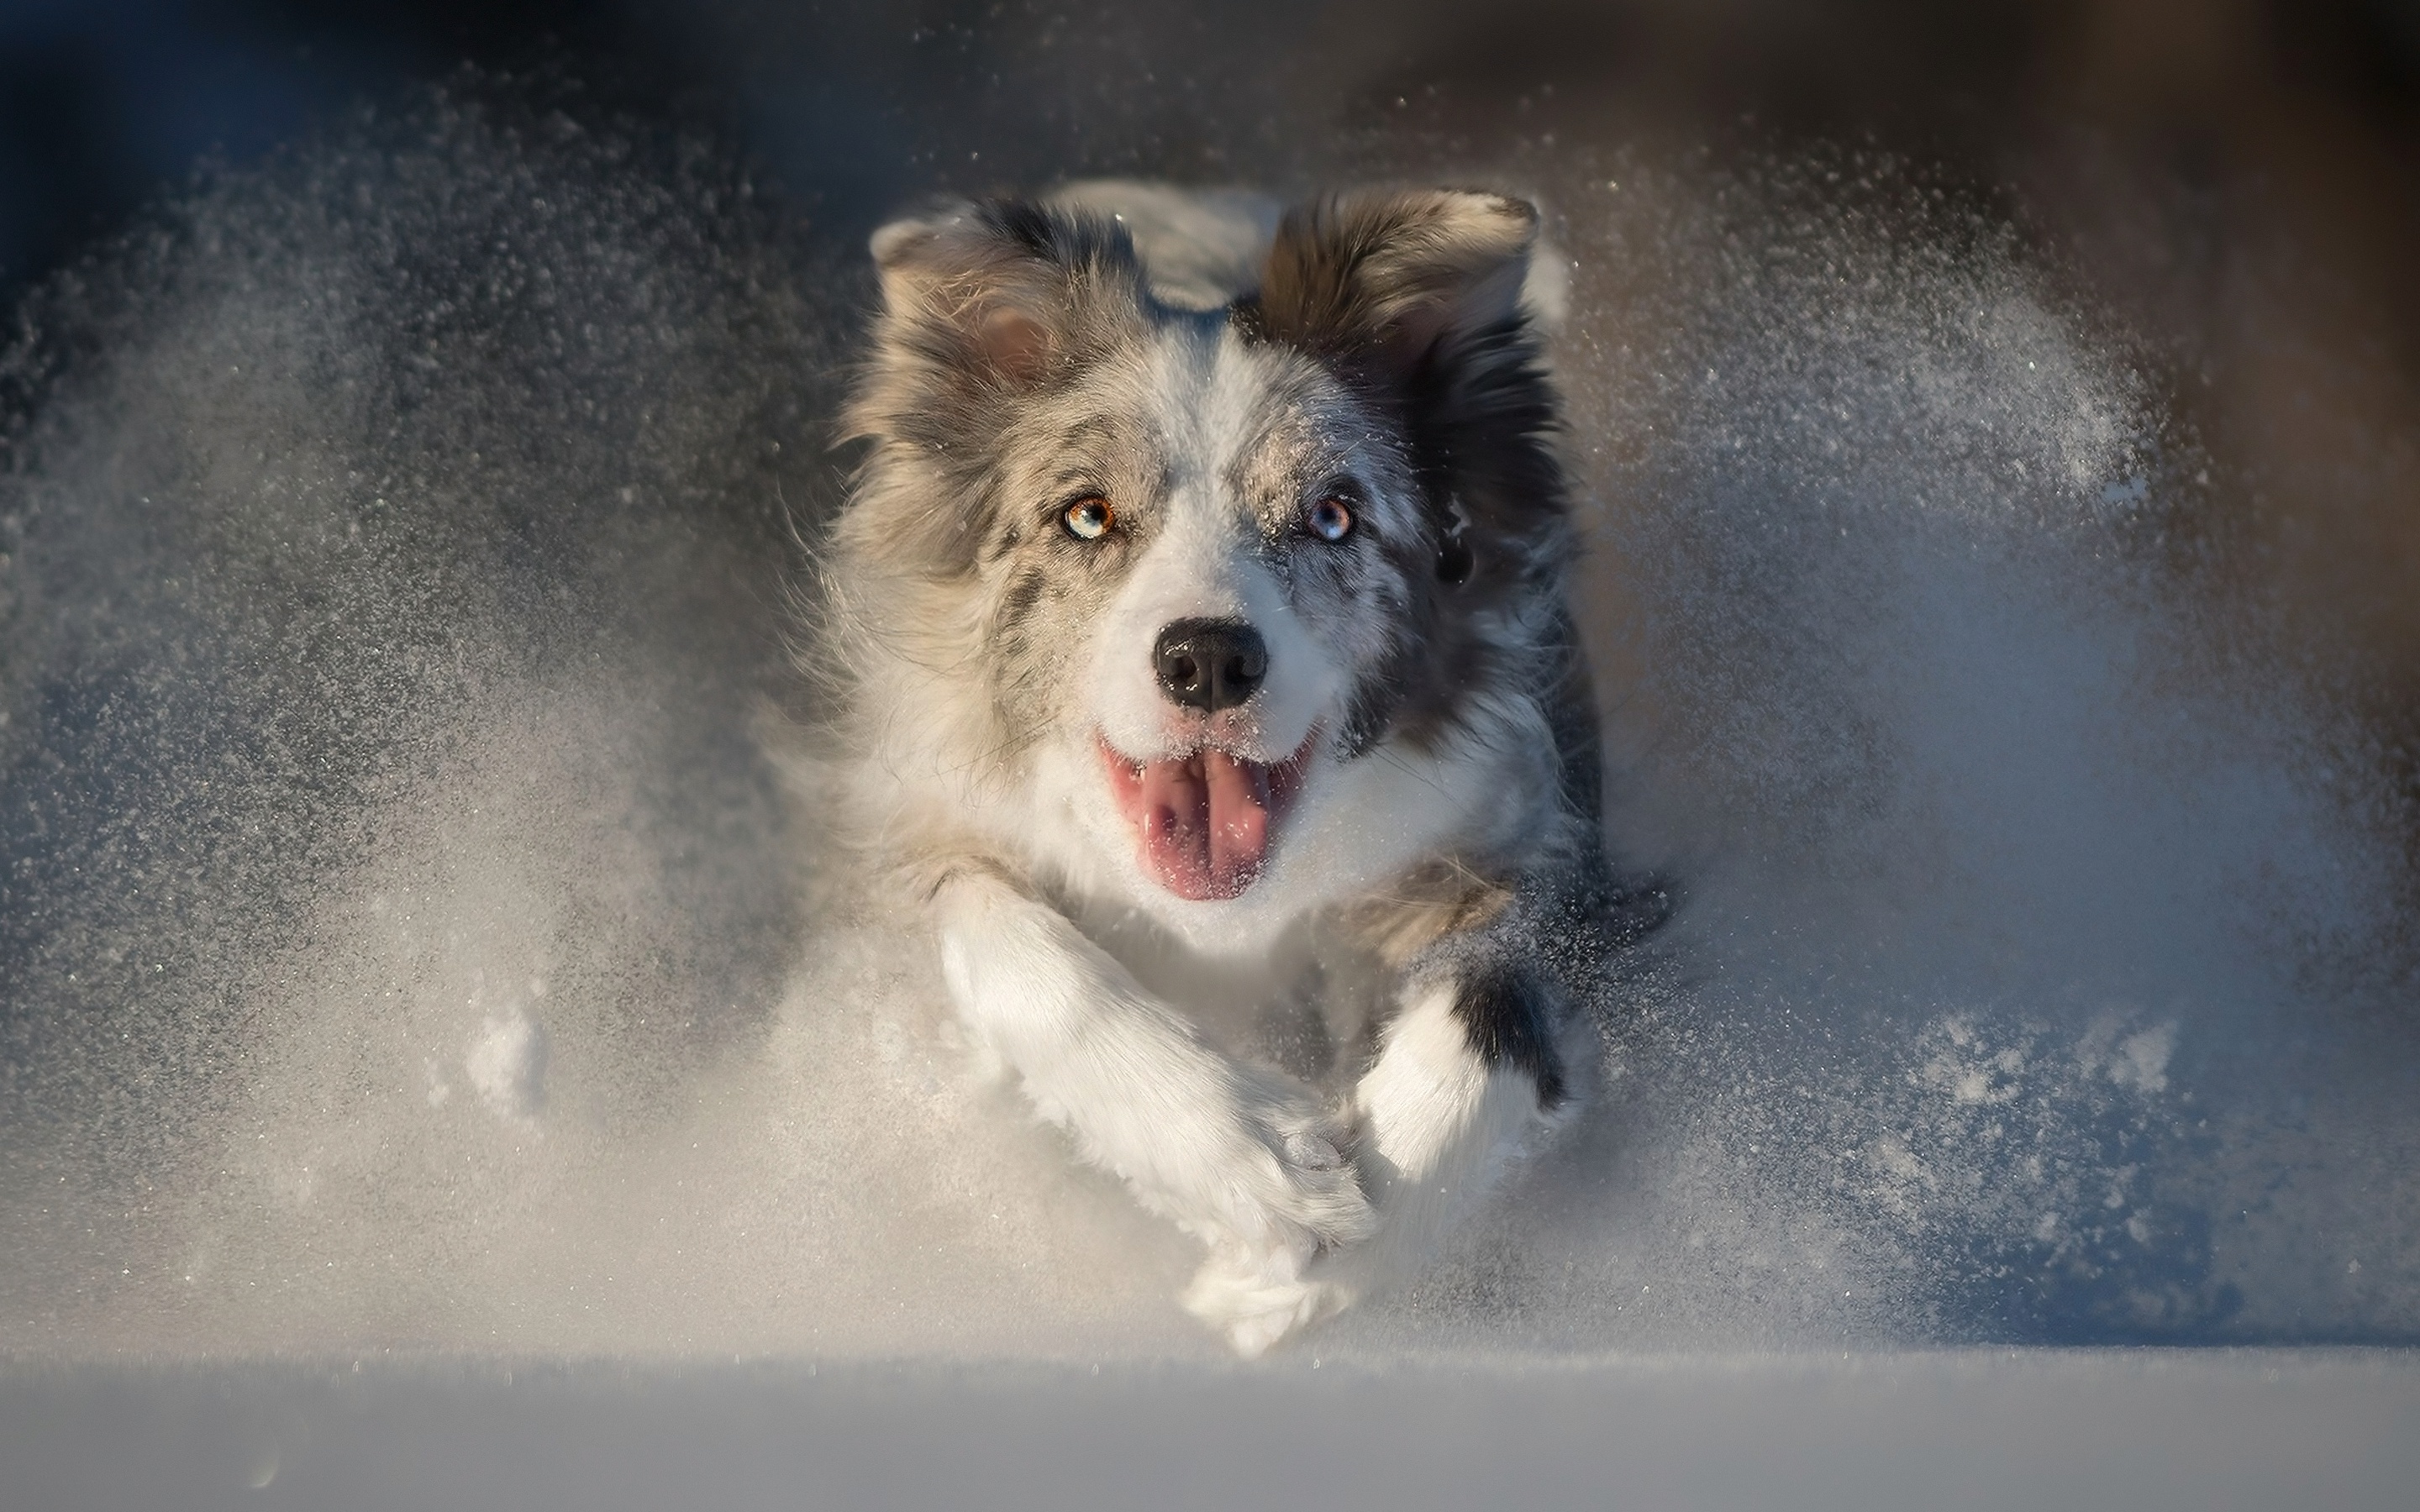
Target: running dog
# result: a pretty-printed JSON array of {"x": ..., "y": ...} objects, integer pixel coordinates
[{"x": 1204, "y": 674}]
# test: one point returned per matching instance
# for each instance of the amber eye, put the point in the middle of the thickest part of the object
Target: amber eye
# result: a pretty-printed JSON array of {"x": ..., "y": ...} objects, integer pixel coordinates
[
  {"x": 1088, "y": 518},
  {"x": 1330, "y": 519}
]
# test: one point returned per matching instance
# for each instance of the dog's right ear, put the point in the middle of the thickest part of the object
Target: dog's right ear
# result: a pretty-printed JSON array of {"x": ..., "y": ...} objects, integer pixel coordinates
[
  {"x": 985, "y": 304},
  {"x": 1002, "y": 292}
]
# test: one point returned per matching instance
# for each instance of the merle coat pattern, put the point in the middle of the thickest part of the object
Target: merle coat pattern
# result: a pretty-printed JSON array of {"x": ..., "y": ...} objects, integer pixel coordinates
[{"x": 1198, "y": 626}]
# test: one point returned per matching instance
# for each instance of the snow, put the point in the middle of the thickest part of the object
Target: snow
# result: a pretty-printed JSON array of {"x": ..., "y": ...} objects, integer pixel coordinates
[
  {"x": 2138, "y": 1429},
  {"x": 507, "y": 1063},
  {"x": 412, "y": 957}
]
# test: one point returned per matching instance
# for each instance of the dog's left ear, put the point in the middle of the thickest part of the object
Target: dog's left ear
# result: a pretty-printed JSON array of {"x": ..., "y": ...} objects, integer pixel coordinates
[{"x": 1392, "y": 284}]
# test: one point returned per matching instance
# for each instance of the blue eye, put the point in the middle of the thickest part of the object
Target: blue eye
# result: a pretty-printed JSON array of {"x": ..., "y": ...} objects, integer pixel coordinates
[
  {"x": 1088, "y": 518},
  {"x": 1330, "y": 519}
]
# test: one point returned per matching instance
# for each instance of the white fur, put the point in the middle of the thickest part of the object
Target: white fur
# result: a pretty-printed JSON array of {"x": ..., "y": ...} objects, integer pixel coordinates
[
  {"x": 1244, "y": 1158},
  {"x": 1357, "y": 825},
  {"x": 1203, "y": 564},
  {"x": 1237, "y": 1156},
  {"x": 1437, "y": 1126}
]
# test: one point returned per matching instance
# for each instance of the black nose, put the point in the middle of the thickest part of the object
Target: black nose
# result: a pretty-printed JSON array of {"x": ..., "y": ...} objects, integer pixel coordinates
[{"x": 1210, "y": 664}]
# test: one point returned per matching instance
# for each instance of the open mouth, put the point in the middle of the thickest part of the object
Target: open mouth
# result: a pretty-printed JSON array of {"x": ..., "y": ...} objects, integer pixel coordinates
[{"x": 1202, "y": 822}]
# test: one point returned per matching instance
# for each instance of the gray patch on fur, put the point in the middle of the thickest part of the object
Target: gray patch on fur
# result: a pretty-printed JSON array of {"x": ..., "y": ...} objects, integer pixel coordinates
[{"x": 1034, "y": 353}]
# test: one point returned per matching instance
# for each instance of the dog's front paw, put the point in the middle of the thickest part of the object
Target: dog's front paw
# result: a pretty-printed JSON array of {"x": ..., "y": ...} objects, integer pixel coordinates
[
  {"x": 1307, "y": 1204},
  {"x": 1254, "y": 1301},
  {"x": 1316, "y": 1206}
]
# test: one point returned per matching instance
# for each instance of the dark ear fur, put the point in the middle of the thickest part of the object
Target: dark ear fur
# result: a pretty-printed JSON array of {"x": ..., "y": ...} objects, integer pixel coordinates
[
  {"x": 985, "y": 304},
  {"x": 1386, "y": 283},
  {"x": 1416, "y": 296},
  {"x": 1000, "y": 294}
]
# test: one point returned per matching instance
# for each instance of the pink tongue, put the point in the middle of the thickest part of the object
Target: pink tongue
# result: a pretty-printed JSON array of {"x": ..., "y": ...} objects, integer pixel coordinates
[{"x": 1206, "y": 823}]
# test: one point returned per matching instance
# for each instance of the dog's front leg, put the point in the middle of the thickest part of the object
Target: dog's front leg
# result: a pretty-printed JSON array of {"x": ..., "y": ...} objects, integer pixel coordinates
[
  {"x": 1466, "y": 1070},
  {"x": 1242, "y": 1158}
]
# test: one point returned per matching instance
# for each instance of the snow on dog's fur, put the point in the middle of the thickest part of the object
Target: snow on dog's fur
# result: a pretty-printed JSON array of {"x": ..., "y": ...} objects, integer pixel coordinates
[{"x": 1204, "y": 674}]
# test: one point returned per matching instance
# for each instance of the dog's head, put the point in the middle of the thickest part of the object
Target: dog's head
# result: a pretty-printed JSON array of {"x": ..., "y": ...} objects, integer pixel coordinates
[{"x": 1188, "y": 562}]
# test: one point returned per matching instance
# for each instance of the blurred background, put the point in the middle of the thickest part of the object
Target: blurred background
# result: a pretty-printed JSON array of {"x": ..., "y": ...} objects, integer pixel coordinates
[
  {"x": 2010, "y": 410},
  {"x": 2240, "y": 177}
]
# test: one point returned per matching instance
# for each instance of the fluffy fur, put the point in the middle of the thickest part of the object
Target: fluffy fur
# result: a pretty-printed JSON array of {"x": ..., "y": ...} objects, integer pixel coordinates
[{"x": 1314, "y": 1050}]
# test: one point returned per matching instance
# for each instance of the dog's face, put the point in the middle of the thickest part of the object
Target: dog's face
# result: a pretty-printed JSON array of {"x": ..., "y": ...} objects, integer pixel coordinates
[
  {"x": 1204, "y": 548},
  {"x": 1195, "y": 564}
]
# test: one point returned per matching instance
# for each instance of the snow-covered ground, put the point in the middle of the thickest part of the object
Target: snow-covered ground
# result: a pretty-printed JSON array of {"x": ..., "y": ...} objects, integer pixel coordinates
[
  {"x": 2134, "y": 1429},
  {"x": 412, "y": 955}
]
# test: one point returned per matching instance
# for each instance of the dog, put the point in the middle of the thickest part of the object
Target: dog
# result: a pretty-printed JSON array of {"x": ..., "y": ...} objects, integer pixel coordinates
[{"x": 1202, "y": 668}]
